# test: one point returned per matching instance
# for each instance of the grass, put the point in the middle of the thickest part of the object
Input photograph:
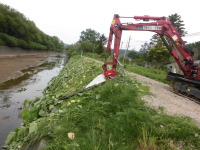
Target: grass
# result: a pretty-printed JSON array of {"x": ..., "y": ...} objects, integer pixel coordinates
[
  {"x": 156, "y": 74},
  {"x": 110, "y": 116}
]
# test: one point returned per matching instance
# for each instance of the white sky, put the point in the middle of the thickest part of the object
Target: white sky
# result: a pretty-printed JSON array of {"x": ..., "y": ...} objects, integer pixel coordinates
[{"x": 67, "y": 18}]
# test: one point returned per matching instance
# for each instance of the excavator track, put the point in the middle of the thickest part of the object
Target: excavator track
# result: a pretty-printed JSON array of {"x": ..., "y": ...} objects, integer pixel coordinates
[
  {"x": 191, "y": 98},
  {"x": 185, "y": 87}
]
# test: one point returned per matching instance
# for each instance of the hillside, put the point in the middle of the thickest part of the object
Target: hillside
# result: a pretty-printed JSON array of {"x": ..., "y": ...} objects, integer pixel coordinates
[{"x": 18, "y": 31}]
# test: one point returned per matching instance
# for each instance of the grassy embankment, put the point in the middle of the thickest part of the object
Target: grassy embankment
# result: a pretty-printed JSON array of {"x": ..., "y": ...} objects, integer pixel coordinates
[
  {"x": 156, "y": 74},
  {"x": 110, "y": 116}
]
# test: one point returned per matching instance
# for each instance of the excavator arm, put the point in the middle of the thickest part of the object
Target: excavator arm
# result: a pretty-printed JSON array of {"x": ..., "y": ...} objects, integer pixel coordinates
[{"x": 161, "y": 26}]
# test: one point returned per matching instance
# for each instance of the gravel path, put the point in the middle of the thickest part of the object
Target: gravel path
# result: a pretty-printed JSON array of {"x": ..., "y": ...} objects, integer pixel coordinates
[{"x": 164, "y": 97}]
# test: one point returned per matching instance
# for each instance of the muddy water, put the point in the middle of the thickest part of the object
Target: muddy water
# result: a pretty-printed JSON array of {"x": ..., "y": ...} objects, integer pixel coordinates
[{"x": 29, "y": 86}]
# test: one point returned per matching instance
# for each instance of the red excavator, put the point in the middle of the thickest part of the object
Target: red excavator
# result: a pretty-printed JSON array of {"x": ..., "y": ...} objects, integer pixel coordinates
[{"x": 189, "y": 82}]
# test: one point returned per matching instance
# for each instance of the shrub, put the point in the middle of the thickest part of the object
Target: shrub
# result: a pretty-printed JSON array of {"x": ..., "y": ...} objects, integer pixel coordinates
[{"x": 87, "y": 46}]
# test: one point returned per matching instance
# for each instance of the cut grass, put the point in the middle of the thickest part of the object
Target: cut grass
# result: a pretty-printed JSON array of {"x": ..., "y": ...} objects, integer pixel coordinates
[{"x": 110, "y": 116}]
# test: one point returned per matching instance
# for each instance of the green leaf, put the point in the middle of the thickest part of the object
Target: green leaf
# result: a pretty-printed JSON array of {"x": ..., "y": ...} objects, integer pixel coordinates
[
  {"x": 33, "y": 114},
  {"x": 26, "y": 103},
  {"x": 25, "y": 114},
  {"x": 21, "y": 131},
  {"x": 42, "y": 113},
  {"x": 80, "y": 94},
  {"x": 10, "y": 137},
  {"x": 98, "y": 96},
  {"x": 56, "y": 101},
  {"x": 51, "y": 107},
  {"x": 33, "y": 127},
  {"x": 60, "y": 111}
]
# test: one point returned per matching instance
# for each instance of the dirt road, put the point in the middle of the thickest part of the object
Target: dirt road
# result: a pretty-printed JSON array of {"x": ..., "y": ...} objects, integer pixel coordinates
[{"x": 164, "y": 97}]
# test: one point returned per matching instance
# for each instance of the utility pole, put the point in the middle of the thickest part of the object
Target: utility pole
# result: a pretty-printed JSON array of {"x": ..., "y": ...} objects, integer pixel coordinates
[{"x": 127, "y": 47}]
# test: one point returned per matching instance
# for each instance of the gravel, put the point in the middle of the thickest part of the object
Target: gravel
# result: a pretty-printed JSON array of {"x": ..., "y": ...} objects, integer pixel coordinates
[{"x": 173, "y": 104}]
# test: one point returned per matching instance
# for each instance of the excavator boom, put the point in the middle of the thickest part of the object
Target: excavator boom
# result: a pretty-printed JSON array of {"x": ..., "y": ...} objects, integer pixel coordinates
[{"x": 163, "y": 27}]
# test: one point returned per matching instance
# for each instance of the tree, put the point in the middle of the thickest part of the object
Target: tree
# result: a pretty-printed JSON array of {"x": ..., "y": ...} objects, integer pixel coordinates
[
  {"x": 87, "y": 46},
  {"x": 196, "y": 48},
  {"x": 100, "y": 44},
  {"x": 144, "y": 51},
  {"x": 73, "y": 49},
  {"x": 178, "y": 23},
  {"x": 16, "y": 30},
  {"x": 159, "y": 54},
  {"x": 97, "y": 39},
  {"x": 89, "y": 35},
  {"x": 133, "y": 54}
]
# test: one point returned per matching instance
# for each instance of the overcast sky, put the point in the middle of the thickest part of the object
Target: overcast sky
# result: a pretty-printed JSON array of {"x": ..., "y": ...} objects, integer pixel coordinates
[{"x": 67, "y": 18}]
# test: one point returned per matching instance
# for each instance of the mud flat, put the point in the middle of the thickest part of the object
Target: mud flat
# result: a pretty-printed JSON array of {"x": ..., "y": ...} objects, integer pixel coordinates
[{"x": 12, "y": 60}]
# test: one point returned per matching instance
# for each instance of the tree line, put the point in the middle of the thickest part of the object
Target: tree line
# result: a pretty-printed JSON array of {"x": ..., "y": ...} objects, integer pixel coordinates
[
  {"x": 18, "y": 31},
  {"x": 90, "y": 41}
]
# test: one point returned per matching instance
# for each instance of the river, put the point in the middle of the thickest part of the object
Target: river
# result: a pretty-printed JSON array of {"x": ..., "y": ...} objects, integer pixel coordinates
[{"x": 27, "y": 87}]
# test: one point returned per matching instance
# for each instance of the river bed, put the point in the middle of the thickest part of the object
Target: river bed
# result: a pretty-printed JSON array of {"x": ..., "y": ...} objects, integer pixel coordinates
[{"x": 26, "y": 87}]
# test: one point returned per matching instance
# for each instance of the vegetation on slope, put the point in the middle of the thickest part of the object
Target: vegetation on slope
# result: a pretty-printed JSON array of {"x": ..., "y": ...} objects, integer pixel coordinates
[
  {"x": 110, "y": 116},
  {"x": 17, "y": 31},
  {"x": 156, "y": 74}
]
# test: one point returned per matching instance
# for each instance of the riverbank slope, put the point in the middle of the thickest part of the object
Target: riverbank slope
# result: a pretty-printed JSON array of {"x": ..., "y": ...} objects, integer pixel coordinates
[{"x": 109, "y": 116}]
